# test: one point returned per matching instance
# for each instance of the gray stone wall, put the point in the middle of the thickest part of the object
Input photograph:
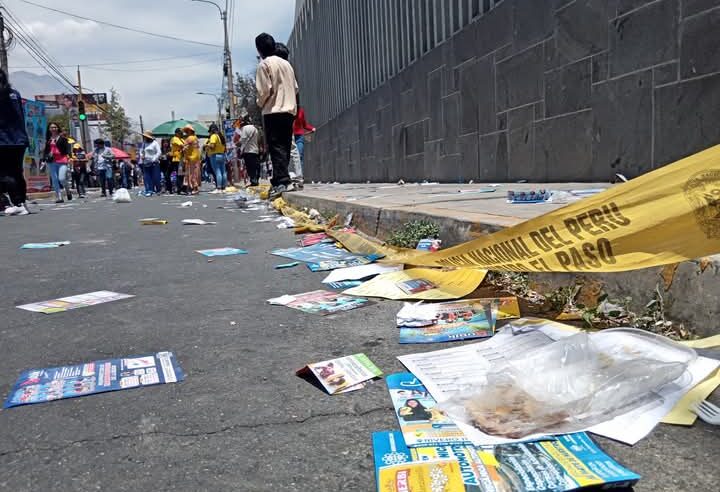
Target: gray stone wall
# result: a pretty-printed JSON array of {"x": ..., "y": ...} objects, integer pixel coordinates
[{"x": 543, "y": 90}]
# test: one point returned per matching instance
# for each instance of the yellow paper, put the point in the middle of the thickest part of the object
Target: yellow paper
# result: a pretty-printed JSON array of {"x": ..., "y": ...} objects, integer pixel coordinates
[
  {"x": 421, "y": 476},
  {"x": 665, "y": 216},
  {"x": 449, "y": 284},
  {"x": 703, "y": 343},
  {"x": 681, "y": 414}
]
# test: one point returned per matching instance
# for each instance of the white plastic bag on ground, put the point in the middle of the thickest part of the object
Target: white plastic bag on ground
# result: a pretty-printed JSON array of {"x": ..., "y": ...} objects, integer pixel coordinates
[{"x": 122, "y": 196}]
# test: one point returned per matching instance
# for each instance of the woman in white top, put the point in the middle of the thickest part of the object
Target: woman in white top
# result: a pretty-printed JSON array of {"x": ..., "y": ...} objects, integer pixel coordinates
[{"x": 150, "y": 163}]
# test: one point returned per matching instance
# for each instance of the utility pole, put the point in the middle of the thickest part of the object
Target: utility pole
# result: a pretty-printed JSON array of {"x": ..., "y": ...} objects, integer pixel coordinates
[
  {"x": 227, "y": 57},
  {"x": 3, "y": 46},
  {"x": 142, "y": 129},
  {"x": 228, "y": 61}
]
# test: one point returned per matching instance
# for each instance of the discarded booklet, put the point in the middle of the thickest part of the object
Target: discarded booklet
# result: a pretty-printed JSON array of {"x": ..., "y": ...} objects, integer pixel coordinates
[
  {"x": 54, "y": 244},
  {"x": 74, "y": 302},
  {"x": 428, "y": 314},
  {"x": 454, "y": 322},
  {"x": 420, "y": 422},
  {"x": 314, "y": 238},
  {"x": 569, "y": 462},
  {"x": 449, "y": 284},
  {"x": 56, "y": 383},
  {"x": 344, "y": 374},
  {"x": 324, "y": 256},
  {"x": 221, "y": 252},
  {"x": 322, "y": 302}
]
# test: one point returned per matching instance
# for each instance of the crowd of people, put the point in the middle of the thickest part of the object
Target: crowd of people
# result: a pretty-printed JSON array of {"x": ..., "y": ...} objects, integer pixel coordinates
[{"x": 174, "y": 165}]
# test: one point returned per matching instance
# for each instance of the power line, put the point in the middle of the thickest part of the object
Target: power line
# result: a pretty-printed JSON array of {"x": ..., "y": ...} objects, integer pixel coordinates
[
  {"x": 129, "y": 62},
  {"x": 157, "y": 69},
  {"x": 164, "y": 36}
]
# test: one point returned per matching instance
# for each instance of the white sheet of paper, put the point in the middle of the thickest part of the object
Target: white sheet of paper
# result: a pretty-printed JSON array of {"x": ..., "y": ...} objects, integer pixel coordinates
[
  {"x": 360, "y": 272},
  {"x": 444, "y": 372}
]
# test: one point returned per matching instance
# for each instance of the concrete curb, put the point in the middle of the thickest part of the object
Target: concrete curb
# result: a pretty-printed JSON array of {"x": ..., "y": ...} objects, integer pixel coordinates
[{"x": 692, "y": 297}]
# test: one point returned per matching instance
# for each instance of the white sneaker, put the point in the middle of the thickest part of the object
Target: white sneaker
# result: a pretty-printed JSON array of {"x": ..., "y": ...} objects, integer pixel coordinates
[
  {"x": 21, "y": 210},
  {"x": 215, "y": 191},
  {"x": 11, "y": 210}
]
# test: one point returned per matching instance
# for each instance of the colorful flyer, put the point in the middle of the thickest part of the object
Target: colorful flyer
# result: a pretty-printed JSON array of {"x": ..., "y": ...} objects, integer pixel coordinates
[
  {"x": 427, "y": 314},
  {"x": 389, "y": 449},
  {"x": 325, "y": 256},
  {"x": 568, "y": 463},
  {"x": 322, "y": 302},
  {"x": 344, "y": 374},
  {"x": 415, "y": 286},
  {"x": 454, "y": 322},
  {"x": 74, "y": 302},
  {"x": 421, "y": 476},
  {"x": 310, "y": 239},
  {"x": 153, "y": 221},
  {"x": 55, "y": 244},
  {"x": 344, "y": 284},
  {"x": 420, "y": 422},
  {"x": 221, "y": 252},
  {"x": 56, "y": 383}
]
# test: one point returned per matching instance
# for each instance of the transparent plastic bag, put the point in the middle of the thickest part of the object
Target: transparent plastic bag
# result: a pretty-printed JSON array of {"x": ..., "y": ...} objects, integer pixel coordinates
[{"x": 571, "y": 384}]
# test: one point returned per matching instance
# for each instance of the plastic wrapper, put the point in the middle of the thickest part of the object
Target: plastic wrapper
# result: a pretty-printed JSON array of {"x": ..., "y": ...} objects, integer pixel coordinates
[
  {"x": 572, "y": 384},
  {"x": 122, "y": 196}
]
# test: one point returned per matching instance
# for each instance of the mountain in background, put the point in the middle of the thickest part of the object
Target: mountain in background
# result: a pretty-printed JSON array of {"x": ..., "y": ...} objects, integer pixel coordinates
[{"x": 30, "y": 84}]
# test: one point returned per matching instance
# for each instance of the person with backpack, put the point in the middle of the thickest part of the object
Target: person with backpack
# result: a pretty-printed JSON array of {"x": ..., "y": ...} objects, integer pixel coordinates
[
  {"x": 102, "y": 164},
  {"x": 79, "y": 169},
  {"x": 13, "y": 142}
]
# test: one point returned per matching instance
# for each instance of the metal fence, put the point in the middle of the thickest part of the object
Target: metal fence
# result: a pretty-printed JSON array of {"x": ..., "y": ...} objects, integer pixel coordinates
[{"x": 344, "y": 49}]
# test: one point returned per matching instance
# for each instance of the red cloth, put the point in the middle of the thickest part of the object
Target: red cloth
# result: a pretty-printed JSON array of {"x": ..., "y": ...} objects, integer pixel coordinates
[{"x": 300, "y": 126}]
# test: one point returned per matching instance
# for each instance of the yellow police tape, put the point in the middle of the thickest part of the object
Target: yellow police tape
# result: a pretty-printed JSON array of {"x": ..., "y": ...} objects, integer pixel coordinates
[{"x": 666, "y": 216}]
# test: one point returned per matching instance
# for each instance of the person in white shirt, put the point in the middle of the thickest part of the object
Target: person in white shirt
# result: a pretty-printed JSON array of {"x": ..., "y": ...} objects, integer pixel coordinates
[
  {"x": 246, "y": 138},
  {"x": 102, "y": 163},
  {"x": 150, "y": 164}
]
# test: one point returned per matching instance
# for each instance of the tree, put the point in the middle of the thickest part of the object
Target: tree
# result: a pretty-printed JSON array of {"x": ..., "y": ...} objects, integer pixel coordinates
[
  {"x": 246, "y": 98},
  {"x": 117, "y": 123}
]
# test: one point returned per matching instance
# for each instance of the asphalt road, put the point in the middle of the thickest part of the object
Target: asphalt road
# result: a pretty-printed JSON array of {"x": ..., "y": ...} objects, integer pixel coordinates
[{"x": 241, "y": 420}]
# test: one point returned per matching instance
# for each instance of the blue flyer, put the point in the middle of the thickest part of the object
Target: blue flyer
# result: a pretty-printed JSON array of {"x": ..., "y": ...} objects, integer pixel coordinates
[
  {"x": 344, "y": 284},
  {"x": 221, "y": 252},
  {"x": 324, "y": 256},
  {"x": 57, "y": 383}
]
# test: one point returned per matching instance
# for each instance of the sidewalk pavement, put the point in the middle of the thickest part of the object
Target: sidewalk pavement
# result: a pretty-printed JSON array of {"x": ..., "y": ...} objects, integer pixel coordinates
[{"x": 468, "y": 211}]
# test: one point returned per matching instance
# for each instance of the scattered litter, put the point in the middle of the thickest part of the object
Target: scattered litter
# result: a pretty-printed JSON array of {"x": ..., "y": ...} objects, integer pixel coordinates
[
  {"x": 310, "y": 239},
  {"x": 56, "y": 383},
  {"x": 233, "y": 323},
  {"x": 324, "y": 256},
  {"x": 153, "y": 221},
  {"x": 415, "y": 286},
  {"x": 541, "y": 466},
  {"x": 186, "y": 204},
  {"x": 420, "y": 422},
  {"x": 343, "y": 374},
  {"x": 266, "y": 219},
  {"x": 74, "y": 302},
  {"x": 54, "y": 244},
  {"x": 204, "y": 205},
  {"x": 287, "y": 265},
  {"x": 449, "y": 284},
  {"x": 344, "y": 284},
  {"x": 286, "y": 223},
  {"x": 197, "y": 222},
  {"x": 455, "y": 321},
  {"x": 429, "y": 244},
  {"x": 348, "y": 220},
  {"x": 508, "y": 352},
  {"x": 221, "y": 252},
  {"x": 540, "y": 196},
  {"x": 122, "y": 195},
  {"x": 400, "y": 182},
  {"x": 428, "y": 183},
  {"x": 360, "y": 272},
  {"x": 322, "y": 302},
  {"x": 427, "y": 314},
  {"x": 621, "y": 177}
]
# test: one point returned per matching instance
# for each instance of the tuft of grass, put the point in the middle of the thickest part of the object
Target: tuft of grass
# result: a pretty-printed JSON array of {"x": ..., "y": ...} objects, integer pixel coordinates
[{"x": 410, "y": 234}]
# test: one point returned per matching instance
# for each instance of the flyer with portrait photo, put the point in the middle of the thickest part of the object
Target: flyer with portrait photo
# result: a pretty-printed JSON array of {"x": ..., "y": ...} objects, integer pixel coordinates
[{"x": 342, "y": 375}]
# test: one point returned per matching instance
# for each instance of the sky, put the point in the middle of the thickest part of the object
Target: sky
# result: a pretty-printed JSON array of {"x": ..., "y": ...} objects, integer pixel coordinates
[{"x": 151, "y": 89}]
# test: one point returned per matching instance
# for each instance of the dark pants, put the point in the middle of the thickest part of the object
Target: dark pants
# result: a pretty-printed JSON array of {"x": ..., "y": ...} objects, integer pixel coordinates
[
  {"x": 78, "y": 178},
  {"x": 172, "y": 167},
  {"x": 252, "y": 165},
  {"x": 12, "y": 180},
  {"x": 107, "y": 180},
  {"x": 279, "y": 133}
]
